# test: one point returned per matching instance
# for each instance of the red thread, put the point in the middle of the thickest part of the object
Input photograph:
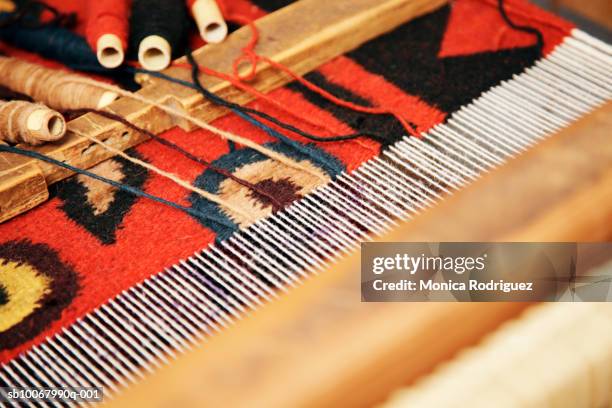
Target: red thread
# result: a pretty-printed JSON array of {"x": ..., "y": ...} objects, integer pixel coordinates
[
  {"x": 260, "y": 95},
  {"x": 107, "y": 17},
  {"x": 250, "y": 55}
]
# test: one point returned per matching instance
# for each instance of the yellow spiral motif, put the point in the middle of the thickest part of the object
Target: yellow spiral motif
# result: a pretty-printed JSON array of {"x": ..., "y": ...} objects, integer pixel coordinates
[{"x": 23, "y": 289}]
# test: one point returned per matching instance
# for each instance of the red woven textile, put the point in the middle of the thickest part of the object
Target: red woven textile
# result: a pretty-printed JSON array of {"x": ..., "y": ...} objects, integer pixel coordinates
[{"x": 100, "y": 241}]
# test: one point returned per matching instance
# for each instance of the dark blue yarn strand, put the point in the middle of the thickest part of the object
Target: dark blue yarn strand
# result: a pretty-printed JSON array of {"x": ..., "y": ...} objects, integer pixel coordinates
[
  {"x": 120, "y": 186},
  {"x": 56, "y": 43},
  {"x": 249, "y": 118},
  {"x": 282, "y": 138},
  {"x": 61, "y": 45}
]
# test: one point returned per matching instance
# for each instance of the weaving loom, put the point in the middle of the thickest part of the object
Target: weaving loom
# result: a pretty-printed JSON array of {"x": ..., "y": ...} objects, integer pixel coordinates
[{"x": 124, "y": 286}]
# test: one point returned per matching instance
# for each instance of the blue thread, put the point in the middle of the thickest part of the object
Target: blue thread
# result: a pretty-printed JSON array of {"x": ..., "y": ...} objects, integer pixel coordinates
[
  {"x": 233, "y": 162},
  {"x": 282, "y": 138},
  {"x": 270, "y": 131},
  {"x": 56, "y": 43},
  {"x": 121, "y": 186}
]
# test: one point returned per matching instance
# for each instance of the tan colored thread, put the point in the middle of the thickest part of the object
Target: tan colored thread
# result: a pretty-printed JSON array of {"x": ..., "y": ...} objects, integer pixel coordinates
[
  {"x": 175, "y": 112},
  {"x": 31, "y": 123},
  {"x": 209, "y": 196},
  {"x": 44, "y": 85}
]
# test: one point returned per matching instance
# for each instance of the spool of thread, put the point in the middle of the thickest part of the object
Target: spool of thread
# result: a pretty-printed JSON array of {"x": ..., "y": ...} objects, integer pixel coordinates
[
  {"x": 51, "y": 86},
  {"x": 209, "y": 19},
  {"x": 107, "y": 30},
  {"x": 158, "y": 31},
  {"x": 31, "y": 123},
  {"x": 51, "y": 42}
]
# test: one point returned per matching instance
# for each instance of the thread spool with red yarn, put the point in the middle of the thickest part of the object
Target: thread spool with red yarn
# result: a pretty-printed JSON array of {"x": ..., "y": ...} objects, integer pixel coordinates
[{"x": 107, "y": 30}]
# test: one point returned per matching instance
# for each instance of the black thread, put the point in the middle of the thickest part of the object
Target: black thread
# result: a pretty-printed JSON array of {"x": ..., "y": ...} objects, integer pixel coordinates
[
  {"x": 166, "y": 18},
  {"x": 195, "y": 74},
  {"x": 526, "y": 29},
  {"x": 72, "y": 113},
  {"x": 120, "y": 186}
]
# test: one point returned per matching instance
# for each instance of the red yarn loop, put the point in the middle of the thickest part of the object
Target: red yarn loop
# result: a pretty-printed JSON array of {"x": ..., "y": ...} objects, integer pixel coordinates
[{"x": 249, "y": 55}]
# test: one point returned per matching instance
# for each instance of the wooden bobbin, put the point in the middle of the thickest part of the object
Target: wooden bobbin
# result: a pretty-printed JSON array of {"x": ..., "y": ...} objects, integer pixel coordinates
[
  {"x": 110, "y": 52},
  {"x": 31, "y": 123},
  {"x": 154, "y": 53},
  {"x": 209, "y": 20},
  {"x": 52, "y": 87}
]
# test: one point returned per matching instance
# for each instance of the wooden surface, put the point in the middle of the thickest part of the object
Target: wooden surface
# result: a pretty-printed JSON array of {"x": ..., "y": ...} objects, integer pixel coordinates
[
  {"x": 303, "y": 44},
  {"x": 599, "y": 11},
  {"x": 319, "y": 346},
  {"x": 23, "y": 185}
]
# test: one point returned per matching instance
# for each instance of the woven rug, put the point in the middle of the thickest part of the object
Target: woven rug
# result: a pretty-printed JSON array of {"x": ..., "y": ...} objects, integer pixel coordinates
[{"x": 89, "y": 242}]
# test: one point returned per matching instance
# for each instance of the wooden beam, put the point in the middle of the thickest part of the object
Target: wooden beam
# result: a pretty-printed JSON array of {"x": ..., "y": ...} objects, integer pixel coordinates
[
  {"x": 303, "y": 36},
  {"x": 320, "y": 346}
]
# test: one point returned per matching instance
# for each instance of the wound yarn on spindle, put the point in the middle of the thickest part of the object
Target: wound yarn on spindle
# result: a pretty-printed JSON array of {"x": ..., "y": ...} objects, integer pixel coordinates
[
  {"x": 158, "y": 31},
  {"x": 55, "y": 88},
  {"x": 31, "y": 123},
  {"x": 107, "y": 30}
]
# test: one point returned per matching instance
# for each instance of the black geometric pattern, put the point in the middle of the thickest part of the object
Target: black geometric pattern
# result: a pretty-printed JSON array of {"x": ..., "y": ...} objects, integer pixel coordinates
[
  {"x": 408, "y": 58},
  {"x": 82, "y": 210}
]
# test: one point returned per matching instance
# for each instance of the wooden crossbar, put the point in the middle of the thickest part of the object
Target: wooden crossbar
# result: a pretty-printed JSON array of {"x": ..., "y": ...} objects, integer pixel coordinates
[{"x": 286, "y": 36}]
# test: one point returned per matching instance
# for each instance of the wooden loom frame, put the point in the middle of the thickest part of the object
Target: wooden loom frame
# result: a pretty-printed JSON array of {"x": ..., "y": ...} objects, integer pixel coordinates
[
  {"x": 320, "y": 346},
  {"x": 332, "y": 29},
  {"x": 266, "y": 353}
]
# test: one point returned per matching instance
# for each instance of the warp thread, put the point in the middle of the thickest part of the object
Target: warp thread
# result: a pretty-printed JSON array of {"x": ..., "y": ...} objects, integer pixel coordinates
[
  {"x": 171, "y": 176},
  {"x": 165, "y": 142},
  {"x": 198, "y": 122},
  {"x": 243, "y": 113},
  {"x": 252, "y": 58},
  {"x": 55, "y": 88},
  {"x": 118, "y": 185},
  {"x": 31, "y": 123},
  {"x": 167, "y": 19},
  {"x": 107, "y": 17}
]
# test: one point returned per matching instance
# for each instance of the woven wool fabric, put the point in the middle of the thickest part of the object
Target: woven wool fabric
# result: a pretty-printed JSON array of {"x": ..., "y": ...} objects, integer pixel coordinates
[{"x": 89, "y": 242}]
